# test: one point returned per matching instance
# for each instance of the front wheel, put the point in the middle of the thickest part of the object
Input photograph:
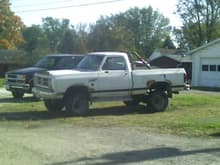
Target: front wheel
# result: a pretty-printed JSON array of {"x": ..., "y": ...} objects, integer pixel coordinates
[
  {"x": 158, "y": 101},
  {"x": 18, "y": 94},
  {"x": 53, "y": 105},
  {"x": 77, "y": 103}
]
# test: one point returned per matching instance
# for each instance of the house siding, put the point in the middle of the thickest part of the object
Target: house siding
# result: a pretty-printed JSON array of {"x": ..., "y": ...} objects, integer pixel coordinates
[{"x": 208, "y": 54}]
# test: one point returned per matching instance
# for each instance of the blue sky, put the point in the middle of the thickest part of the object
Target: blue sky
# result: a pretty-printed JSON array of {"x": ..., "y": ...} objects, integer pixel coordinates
[{"x": 78, "y": 12}]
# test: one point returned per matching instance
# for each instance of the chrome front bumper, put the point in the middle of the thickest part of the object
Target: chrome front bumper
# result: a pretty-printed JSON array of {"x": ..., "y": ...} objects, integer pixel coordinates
[{"x": 46, "y": 95}]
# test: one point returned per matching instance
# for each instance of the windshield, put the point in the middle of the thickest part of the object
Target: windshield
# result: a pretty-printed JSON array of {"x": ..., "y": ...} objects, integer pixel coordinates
[
  {"x": 91, "y": 62},
  {"x": 59, "y": 62}
]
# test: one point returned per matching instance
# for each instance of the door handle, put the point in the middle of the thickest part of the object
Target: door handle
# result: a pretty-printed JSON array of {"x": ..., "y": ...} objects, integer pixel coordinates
[{"x": 125, "y": 74}]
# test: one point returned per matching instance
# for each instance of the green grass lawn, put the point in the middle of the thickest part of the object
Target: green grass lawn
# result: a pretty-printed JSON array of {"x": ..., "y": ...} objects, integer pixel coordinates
[
  {"x": 1, "y": 82},
  {"x": 189, "y": 113}
]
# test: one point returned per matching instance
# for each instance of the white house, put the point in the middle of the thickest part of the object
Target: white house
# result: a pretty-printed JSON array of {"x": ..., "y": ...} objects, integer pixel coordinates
[{"x": 206, "y": 65}]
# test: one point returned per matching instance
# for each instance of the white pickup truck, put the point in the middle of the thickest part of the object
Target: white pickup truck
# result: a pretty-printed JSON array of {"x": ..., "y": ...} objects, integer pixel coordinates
[{"x": 107, "y": 76}]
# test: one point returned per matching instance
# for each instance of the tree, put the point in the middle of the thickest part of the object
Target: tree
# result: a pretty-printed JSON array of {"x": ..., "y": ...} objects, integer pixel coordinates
[
  {"x": 67, "y": 44},
  {"x": 101, "y": 37},
  {"x": 200, "y": 21},
  {"x": 10, "y": 27},
  {"x": 55, "y": 29},
  {"x": 35, "y": 42},
  {"x": 168, "y": 43},
  {"x": 140, "y": 30},
  {"x": 82, "y": 38}
]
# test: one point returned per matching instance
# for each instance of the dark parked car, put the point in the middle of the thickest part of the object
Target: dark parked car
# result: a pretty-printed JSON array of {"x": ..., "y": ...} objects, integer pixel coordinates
[{"x": 20, "y": 81}]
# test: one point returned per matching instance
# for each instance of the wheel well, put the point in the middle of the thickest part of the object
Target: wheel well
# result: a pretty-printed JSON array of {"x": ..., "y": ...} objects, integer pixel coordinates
[
  {"x": 76, "y": 89},
  {"x": 162, "y": 86}
]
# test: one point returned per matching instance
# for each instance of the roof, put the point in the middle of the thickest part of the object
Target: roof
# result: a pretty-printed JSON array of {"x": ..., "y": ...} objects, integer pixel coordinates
[
  {"x": 108, "y": 53},
  {"x": 175, "y": 54},
  {"x": 204, "y": 46},
  {"x": 65, "y": 55}
]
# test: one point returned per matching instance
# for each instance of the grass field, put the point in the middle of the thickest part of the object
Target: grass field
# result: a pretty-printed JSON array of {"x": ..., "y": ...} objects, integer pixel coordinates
[
  {"x": 189, "y": 113},
  {"x": 1, "y": 82}
]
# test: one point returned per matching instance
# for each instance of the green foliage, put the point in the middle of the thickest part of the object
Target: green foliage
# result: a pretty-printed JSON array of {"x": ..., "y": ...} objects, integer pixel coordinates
[
  {"x": 168, "y": 43},
  {"x": 140, "y": 30},
  {"x": 35, "y": 42},
  {"x": 1, "y": 82},
  {"x": 54, "y": 30},
  {"x": 200, "y": 21},
  {"x": 67, "y": 44},
  {"x": 10, "y": 27}
]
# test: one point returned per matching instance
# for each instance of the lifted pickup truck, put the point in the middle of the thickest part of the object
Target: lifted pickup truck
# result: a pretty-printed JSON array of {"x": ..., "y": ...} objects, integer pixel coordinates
[
  {"x": 107, "y": 76},
  {"x": 21, "y": 81}
]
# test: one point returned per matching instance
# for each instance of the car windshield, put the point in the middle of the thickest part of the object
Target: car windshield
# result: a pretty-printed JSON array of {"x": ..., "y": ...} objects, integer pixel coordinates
[
  {"x": 59, "y": 62},
  {"x": 90, "y": 62}
]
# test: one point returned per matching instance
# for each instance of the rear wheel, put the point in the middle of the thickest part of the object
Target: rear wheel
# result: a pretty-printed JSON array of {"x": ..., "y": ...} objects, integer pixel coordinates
[
  {"x": 18, "y": 94},
  {"x": 77, "y": 103},
  {"x": 158, "y": 101},
  {"x": 53, "y": 105}
]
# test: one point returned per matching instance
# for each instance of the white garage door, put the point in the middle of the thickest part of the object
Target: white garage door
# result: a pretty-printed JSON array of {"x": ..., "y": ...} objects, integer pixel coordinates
[{"x": 210, "y": 72}]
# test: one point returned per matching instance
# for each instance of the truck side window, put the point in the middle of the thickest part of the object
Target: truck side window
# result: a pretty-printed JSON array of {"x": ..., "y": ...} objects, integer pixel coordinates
[{"x": 114, "y": 63}]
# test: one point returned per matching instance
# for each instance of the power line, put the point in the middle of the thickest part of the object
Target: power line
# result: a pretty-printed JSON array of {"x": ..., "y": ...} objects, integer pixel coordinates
[
  {"x": 69, "y": 6},
  {"x": 41, "y": 4}
]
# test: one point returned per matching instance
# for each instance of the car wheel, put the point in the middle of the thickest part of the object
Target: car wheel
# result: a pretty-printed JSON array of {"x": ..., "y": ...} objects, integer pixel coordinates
[
  {"x": 17, "y": 94},
  {"x": 53, "y": 105},
  {"x": 158, "y": 101},
  {"x": 77, "y": 104}
]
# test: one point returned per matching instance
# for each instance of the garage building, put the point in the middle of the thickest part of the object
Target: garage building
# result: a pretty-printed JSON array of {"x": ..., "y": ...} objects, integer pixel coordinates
[{"x": 206, "y": 65}]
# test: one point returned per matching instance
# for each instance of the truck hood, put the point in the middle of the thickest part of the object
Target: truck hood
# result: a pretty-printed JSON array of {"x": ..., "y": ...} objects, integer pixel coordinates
[
  {"x": 64, "y": 72},
  {"x": 26, "y": 71}
]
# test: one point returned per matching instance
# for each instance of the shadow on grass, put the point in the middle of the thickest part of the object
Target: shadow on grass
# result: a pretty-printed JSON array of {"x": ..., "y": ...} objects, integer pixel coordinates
[
  {"x": 22, "y": 100},
  {"x": 217, "y": 134},
  {"x": 139, "y": 156},
  {"x": 45, "y": 115}
]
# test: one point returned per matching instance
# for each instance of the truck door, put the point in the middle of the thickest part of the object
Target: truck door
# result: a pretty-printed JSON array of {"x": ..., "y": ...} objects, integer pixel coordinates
[{"x": 114, "y": 78}]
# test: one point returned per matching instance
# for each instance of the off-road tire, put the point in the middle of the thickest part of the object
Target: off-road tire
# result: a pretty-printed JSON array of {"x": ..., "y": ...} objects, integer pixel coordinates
[
  {"x": 53, "y": 105},
  {"x": 18, "y": 94},
  {"x": 157, "y": 101},
  {"x": 77, "y": 103}
]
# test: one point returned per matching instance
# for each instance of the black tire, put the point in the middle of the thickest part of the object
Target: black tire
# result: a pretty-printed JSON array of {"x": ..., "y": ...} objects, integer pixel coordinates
[
  {"x": 77, "y": 104},
  {"x": 18, "y": 94},
  {"x": 132, "y": 103},
  {"x": 158, "y": 101},
  {"x": 53, "y": 105}
]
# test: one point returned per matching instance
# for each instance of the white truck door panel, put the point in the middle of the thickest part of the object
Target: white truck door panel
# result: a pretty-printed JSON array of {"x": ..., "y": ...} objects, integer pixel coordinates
[{"x": 114, "y": 78}]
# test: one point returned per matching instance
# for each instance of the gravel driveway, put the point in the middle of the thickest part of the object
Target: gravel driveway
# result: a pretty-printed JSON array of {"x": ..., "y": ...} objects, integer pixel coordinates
[{"x": 67, "y": 144}]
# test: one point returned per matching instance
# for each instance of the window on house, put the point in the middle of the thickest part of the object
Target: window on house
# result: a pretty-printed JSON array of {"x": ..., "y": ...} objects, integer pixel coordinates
[
  {"x": 205, "y": 68},
  {"x": 219, "y": 68},
  {"x": 212, "y": 68}
]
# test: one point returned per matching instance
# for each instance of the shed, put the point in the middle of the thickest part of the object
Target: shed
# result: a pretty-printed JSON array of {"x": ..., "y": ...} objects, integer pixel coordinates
[
  {"x": 171, "y": 58},
  {"x": 206, "y": 65}
]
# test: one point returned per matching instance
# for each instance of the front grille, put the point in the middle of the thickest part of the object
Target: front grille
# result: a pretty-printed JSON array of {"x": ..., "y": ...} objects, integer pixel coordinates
[{"x": 15, "y": 79}]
